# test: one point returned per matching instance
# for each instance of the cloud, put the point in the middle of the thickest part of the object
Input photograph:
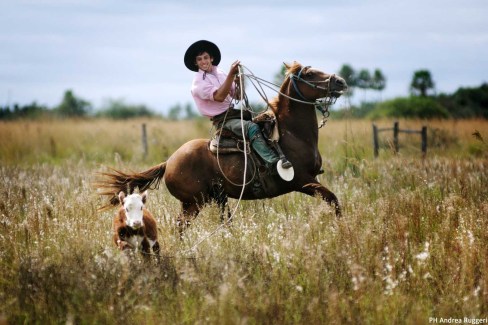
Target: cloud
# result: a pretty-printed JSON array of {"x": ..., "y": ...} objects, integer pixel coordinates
[{"x": 134, "y": 49}]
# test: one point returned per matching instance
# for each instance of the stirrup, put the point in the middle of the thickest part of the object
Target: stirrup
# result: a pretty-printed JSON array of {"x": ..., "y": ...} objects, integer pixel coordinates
[{"x": 286, "y": 174}]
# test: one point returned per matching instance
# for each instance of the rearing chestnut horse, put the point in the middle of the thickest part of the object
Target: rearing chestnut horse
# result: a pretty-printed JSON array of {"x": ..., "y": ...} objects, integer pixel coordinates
[{"x": 192, "y": 174}]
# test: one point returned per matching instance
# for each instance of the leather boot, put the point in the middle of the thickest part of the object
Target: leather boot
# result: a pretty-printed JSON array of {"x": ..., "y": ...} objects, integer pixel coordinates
[
  {"x": 263, "y": 150},
  {"x": 286, "y": 163}
]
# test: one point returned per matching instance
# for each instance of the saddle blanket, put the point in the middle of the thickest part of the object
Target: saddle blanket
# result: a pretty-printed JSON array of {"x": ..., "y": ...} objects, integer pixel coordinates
[{"x": 224, "y": 145}]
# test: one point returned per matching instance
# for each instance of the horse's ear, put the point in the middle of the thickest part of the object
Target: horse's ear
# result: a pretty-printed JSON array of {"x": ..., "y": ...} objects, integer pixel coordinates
[
  {"x": 287, "y": 66},
  {"x": 121, "y": 197},
  {"x": 144, "y": 197}
]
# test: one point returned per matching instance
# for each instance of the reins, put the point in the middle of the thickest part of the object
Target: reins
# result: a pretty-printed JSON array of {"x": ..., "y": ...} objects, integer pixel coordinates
[{"x": 320, "y": 104}]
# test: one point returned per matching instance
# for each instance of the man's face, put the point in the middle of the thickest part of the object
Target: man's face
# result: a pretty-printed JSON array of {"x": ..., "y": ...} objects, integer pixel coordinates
[{"x": 204, "y": 61}]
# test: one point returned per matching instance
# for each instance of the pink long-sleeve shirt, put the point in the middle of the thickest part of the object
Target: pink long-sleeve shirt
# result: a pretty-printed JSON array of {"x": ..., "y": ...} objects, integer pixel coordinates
[{"x": 203, "y": 88}]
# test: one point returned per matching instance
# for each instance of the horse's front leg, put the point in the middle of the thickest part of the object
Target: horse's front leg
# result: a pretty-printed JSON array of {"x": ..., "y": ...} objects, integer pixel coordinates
[
  {"x": 315, "y": 188},
  {"x": 188, "y": 213}
]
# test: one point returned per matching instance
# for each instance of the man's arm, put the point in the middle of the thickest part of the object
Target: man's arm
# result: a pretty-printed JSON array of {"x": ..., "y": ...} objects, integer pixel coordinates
[{"x": 221, "y": 93}]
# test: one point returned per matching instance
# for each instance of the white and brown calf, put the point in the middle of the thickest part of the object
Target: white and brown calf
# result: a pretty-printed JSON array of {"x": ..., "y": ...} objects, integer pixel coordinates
[{"x": 134, "y": 226}]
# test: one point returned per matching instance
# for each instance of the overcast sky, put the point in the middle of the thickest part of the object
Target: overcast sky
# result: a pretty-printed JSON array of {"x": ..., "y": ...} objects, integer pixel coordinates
[{"x": 133, "y": 49}]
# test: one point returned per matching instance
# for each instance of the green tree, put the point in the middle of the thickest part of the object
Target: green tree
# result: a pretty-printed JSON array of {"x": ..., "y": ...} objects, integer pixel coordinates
[
  {"x": 31, "y": 111},
  {"x": 364, "y": 81},
  {"x": 410, "y": 107},
  {"x": 378, "y": 81},
  {"x": 467, "y": 102},
  {"x": 347, "y": 72},
  {"x": 174, "y": 112},
  {"x": 118, "y": 109},
  {"x": 190, "y": 113},
  {"x": 421, "y": 83},
  {"x": 72, "y": 106}
]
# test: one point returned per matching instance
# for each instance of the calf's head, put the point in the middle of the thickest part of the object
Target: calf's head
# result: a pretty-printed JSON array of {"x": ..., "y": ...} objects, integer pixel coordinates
[{"x": 133, "y": 205}]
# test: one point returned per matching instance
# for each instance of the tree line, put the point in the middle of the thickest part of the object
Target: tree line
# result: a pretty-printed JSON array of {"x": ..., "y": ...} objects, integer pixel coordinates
[
  {"x": 423, "y": 101},
  {"x": 362, "y": 79},
  {"x": 72, "y": 105}
]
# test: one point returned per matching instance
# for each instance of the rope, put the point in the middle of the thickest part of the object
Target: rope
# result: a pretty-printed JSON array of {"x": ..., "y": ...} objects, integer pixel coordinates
[
  {"x": 261, "y": 92},
  {"x": 244, "y": 176},
  {"x": 270, "y": 85},
  {"x": 243, "y": 136},
  {"x": 323, "y": 104}
]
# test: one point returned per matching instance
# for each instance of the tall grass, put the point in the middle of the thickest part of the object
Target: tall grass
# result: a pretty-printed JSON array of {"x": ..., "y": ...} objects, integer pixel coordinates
[{"x": 412, "y": 243}]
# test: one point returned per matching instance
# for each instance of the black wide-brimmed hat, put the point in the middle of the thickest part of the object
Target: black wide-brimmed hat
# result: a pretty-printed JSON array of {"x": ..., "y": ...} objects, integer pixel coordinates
[{"x": 199, "y": 47}]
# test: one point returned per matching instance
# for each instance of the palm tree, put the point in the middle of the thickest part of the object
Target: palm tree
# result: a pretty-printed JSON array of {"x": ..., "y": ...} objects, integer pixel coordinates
[
  {"x": 349, "y": 75},
  {"x": 421, "y": 83},
  {"x": 364, "y": 81},
  {"x": 379, "y": 81}
]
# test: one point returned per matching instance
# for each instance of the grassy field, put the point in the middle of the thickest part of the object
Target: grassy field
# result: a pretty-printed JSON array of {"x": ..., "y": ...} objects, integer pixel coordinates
[{"x": 412, "y": 244}]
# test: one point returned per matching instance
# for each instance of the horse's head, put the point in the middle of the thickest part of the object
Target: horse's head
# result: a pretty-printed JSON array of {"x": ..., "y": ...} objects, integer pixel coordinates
[
  {"x": 133, "y": 206},
  {"x": 310, "y": 84}
]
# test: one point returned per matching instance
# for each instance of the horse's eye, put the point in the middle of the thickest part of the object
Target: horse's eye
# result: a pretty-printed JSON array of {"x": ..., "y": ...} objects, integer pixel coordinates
[{"x": 309, "y": 73}]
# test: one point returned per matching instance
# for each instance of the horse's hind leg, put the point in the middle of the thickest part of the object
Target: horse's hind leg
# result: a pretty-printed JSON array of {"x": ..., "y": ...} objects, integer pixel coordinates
[
  {"x": 188, "y": 213},
  {"x": 223, "y": 204},
  {"x": 329, "y": 197}
]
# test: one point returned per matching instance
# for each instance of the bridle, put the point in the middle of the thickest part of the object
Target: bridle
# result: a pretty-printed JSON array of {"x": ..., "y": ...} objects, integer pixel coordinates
[
  {"x": 321, "y": 104},
  {"x": 294, "y": 78}
]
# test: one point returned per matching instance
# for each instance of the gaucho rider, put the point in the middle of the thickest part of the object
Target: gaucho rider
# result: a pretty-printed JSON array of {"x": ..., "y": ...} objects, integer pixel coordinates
[{"x": 213, "y": 90}]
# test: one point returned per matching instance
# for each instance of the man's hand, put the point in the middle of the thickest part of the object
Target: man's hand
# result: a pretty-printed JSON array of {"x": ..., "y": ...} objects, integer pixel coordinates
[
  {"x": 224, "y": 90},
  {"x": 234, "y": 68}
]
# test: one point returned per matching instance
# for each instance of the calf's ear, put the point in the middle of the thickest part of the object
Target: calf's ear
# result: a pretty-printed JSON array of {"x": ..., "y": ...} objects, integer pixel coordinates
[
  {"x": 121, "y": 197},
  {"x": 144, "y": 197}
]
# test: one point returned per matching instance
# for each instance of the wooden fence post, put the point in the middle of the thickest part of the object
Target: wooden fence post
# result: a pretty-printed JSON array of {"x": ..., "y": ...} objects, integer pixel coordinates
[
  {"x": 144, "y": 140},
  {"x": 424, "y": 141},
  {"x": 396, "y": 130},
  {"x": 375, "y": 141}
]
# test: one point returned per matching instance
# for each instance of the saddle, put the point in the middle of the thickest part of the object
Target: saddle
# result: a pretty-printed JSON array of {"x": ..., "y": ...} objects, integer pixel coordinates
[{"x": 225, "y": 141}]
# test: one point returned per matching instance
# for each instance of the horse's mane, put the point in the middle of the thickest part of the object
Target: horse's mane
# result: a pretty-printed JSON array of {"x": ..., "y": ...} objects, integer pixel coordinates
[{"x": 290, "y": 69}]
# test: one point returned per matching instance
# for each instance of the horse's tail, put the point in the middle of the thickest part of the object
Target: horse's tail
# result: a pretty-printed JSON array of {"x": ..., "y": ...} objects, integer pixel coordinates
[{"x": 111, "y": 183}]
